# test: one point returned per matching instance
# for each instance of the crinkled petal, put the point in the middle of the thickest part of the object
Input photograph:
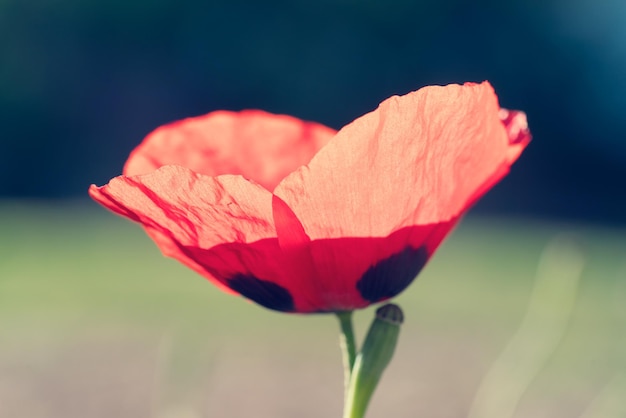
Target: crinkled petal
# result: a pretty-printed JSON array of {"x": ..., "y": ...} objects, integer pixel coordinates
[
  {"x": 403, "y": 174},
  {"x": 417, "y": 160},
  {"x": 183, "y": 210},
  {"x": 257, "y": 145}
]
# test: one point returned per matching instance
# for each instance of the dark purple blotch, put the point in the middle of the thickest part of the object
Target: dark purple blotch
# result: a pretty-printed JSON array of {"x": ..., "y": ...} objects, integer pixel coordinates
[
  {"x": 390, "y": 276},
  {"x": 263, "y": 292}
]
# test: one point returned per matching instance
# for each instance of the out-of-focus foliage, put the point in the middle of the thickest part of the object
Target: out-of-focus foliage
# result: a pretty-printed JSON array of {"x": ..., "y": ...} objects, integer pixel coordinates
[{"x": 95, "y": 323}]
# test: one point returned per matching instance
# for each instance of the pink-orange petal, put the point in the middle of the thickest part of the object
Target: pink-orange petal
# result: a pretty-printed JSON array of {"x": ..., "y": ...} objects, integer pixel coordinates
[
  {"x": 418, "y": 159},
  {"x": 260, "y": 146},
  {"x": 396, "y": 181},
  {"x": 183, "y": 210}
]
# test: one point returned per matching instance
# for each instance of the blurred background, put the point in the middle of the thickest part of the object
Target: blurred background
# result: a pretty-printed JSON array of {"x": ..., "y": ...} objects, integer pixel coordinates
[{"x": 94, "y": 322}]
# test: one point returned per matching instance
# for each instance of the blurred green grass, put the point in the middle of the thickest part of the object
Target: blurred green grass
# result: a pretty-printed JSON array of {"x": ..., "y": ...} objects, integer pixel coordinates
[{"x": 74, "y": 276}]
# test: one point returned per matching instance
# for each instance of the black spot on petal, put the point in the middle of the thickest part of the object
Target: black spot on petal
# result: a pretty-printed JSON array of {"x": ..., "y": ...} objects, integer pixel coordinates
[
  {"x": 263, "y": 292},
  {"x": 392, "y": 275}
]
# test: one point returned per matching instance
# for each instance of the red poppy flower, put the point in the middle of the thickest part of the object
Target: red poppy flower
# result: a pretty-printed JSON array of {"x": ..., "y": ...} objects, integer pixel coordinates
[{"x": 300, "y": 218}]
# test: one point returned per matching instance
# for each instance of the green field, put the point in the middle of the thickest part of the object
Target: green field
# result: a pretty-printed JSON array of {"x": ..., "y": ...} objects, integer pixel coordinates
[{"x": 94, "y": 322}]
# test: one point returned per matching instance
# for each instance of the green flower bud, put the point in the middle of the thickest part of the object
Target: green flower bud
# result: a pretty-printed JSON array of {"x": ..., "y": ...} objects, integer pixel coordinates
[{"x": 373, "y": 359}]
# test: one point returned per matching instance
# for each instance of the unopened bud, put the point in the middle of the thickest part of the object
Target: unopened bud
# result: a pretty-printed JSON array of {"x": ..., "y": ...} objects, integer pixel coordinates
[{"x": 378, "y": 349}]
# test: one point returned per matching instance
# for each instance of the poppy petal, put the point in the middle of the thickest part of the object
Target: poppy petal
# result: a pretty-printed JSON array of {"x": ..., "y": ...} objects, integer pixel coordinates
[
  {"x": 354, "y": 272},
  {"x": 260, "y": 146},
  {"x": 416, "y": 160},
  {"x": 406, "y": 171},
  {"x": 182, "y": 210}
]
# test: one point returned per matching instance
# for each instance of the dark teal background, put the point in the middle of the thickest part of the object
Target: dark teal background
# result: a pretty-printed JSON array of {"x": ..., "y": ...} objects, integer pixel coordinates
[{"x": 81, "y": 83}]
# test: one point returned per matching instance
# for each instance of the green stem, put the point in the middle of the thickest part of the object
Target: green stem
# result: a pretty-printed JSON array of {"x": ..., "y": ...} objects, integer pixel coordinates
[{"x": 348, "y": 346}]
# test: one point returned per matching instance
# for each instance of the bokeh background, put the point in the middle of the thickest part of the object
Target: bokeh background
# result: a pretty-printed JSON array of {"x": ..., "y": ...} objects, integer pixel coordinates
[{"x": 94, "y": 322}]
